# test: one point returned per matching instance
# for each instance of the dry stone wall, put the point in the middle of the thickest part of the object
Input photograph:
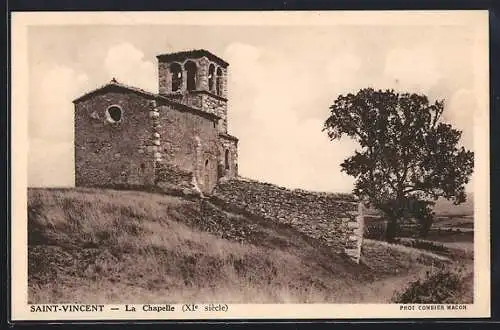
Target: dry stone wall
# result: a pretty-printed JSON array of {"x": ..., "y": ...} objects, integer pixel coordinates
[{"x": 336, "y": 220}]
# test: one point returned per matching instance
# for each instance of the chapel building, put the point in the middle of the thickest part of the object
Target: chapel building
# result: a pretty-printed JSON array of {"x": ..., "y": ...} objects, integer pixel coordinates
[{"x": 124, "y": 135}]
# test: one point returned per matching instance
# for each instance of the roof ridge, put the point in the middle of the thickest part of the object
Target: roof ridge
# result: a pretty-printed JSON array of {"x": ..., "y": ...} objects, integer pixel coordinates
[{"x": 114, "y": 82}]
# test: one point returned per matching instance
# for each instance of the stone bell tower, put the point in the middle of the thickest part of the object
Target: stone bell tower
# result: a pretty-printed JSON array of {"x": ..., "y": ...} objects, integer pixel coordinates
[{"x": 196, "y": 78}]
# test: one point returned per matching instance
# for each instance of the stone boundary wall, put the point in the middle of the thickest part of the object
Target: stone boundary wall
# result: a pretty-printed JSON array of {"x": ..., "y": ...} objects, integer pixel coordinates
[{"x": 336, "y": 220}]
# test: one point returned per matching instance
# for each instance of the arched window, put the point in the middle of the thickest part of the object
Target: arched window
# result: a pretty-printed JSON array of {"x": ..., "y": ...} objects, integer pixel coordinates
[
  {"x": 176, "y": 71},
  {"x": 191, "y": 69},
  {"x": 226, "y": 159},
  {"x": 219, "y": 81},
  {"x": 211, "y": 77}
]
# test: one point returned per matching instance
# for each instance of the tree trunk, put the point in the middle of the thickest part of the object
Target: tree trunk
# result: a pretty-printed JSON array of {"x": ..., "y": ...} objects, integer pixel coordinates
[{"x": 391, "y": 231}]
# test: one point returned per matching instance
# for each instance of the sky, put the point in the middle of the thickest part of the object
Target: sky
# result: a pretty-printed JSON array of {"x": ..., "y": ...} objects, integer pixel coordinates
[{"x": 282, "y": 80}]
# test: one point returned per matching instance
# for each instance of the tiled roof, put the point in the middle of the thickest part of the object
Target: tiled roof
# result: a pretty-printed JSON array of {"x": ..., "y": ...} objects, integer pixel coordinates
[
  {"x": 195, "y": 53},
  {"x": 140, "y": 91},
  {"x": 111, "y": 84}
]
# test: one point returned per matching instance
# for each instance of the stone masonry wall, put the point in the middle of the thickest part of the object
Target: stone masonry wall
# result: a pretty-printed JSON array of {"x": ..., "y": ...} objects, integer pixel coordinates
[
  {"x": 171, "y": 179},
  {"x": 231, "y": 145},
  {"x": 164, "y": 78},
  {"x": 113, "y": 153},
  {"x": 218, "y": 107},
  {"x": 205, "y": 102},
  {"x": 332, "y": 219},
  {"x": 190, "y": 142}
]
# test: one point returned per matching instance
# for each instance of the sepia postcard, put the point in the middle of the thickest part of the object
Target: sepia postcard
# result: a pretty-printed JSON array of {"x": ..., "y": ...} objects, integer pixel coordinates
[{"x": 250, "y": 165}]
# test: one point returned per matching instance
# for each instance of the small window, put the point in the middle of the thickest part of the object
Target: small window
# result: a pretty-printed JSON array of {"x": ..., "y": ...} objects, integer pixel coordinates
[
  {"x": 176, "y": 72},
  {"x": 114, "y": 114},
  {"x": 206, "y": 163},
  {"x": 226, "y": 159},
  {"x": 191, "y": 69}
]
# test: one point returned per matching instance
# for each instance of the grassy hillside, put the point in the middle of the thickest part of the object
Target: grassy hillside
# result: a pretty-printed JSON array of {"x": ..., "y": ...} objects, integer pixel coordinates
[{"x": 89, "y": 245}]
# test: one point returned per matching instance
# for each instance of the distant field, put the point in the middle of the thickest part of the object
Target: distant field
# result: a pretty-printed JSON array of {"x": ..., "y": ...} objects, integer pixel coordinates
[
  {"x": 444, "y": 208},
  {"x": 454, "y": 222}
]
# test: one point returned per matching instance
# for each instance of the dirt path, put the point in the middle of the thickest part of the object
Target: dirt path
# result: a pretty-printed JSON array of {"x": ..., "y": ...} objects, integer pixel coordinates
[
  {"x": 382, "y": 291},
  {"x": 387, "y": 259}
]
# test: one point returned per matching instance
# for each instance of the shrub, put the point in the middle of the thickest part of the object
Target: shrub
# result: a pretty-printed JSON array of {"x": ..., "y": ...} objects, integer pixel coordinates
[{"x": 441, "y": 287}]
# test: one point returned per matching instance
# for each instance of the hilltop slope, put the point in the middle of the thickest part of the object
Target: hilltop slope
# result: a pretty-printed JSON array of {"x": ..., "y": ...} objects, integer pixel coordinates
[{"x": 109, "y": 246}]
